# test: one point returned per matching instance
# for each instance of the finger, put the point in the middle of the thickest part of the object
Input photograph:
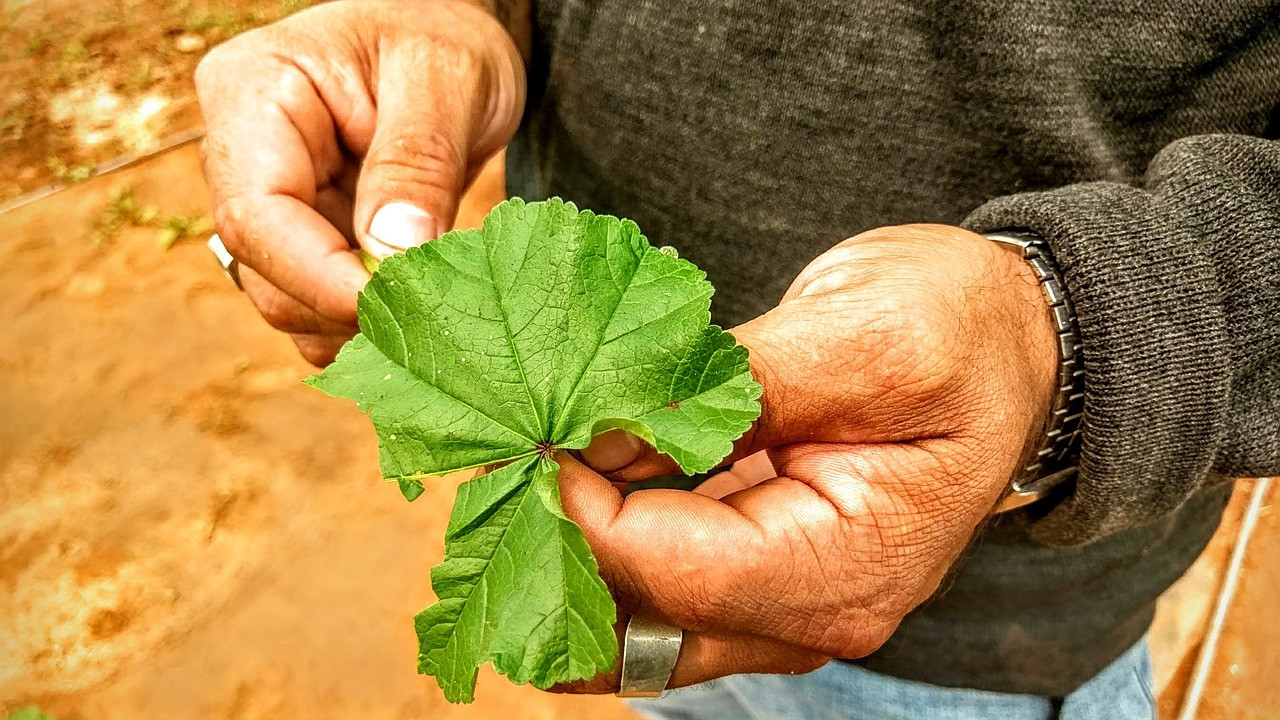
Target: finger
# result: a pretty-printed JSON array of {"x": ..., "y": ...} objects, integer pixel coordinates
[
  {"x": 747, "y": 472},
  {"x": 311, "y": 262},
  {"x": 709, "y": 655},
  {"x": 782, "y": 560},
  {"x": 285, "y": 313},
  {"x": 443, "y": 109},
  {"x": 319, "y": 350},
  {"x": 270, "y": 145},
  {"x": 335, "y": 205},
  {"x": 612, "y": 450}
]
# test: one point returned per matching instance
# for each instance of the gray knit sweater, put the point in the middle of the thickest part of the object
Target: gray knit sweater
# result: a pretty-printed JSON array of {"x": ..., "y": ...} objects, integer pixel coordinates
[{"x": 1136, "y": 136}]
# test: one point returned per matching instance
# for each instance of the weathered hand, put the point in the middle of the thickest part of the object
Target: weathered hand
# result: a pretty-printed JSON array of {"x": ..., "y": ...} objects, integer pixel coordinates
[
  {"x": 906, "y": 373},
  {"x": 353, "y": 122}
]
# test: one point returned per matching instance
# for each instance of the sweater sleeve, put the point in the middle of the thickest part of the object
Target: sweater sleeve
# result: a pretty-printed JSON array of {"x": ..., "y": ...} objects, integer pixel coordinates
[{"x": 1176, "y": 284}]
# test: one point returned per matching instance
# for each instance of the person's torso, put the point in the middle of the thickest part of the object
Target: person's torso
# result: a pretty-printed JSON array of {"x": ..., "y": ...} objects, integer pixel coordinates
[{"x": 753, "y": 136}]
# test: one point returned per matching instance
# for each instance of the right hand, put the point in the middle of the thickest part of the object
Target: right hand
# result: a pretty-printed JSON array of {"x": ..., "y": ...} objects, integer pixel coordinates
[{"x": 354, "y": 123}]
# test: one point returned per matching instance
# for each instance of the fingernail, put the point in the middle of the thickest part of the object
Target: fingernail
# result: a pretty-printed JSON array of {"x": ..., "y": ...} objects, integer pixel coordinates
[
  {"x": 611, "y": 451},
  {"x": 400, "y": 226}
]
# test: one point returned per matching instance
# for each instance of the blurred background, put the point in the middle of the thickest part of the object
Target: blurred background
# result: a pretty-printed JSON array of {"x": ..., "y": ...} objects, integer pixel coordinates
[{"x": 188, "y": 531}]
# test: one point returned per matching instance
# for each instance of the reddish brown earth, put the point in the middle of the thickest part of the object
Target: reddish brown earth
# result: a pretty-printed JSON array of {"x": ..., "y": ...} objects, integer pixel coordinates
[
  {"x": 85, "y": 81},
  {"x": 1244, "y": 682}
]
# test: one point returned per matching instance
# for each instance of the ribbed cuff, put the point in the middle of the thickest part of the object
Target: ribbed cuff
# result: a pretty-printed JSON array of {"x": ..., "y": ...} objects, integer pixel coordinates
[{"x": 1156, "y": 351}]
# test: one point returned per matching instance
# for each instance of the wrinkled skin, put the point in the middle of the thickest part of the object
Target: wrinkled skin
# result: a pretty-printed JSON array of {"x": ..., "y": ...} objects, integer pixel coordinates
[
  {"x": 317, "y": 122},
  {"x": 906, "y": 374}
]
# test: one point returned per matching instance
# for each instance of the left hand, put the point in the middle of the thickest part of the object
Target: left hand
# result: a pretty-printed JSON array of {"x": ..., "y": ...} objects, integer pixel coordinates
[{"x": 906, "y": 374}]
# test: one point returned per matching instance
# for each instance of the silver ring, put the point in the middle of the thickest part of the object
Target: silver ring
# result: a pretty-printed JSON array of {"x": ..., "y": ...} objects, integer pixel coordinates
[
  {"x": 230, "y": 265},
  {"x": 649, "y": 653}
]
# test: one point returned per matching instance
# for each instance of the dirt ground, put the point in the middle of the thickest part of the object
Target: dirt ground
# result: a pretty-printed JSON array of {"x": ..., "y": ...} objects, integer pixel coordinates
[
  {"x": 85, "y": 81},
  {"x": 1243, "y": 680}
]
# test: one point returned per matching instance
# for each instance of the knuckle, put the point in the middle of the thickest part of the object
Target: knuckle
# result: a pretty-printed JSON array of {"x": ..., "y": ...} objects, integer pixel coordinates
[
  {"x": 455, "y": 58},
  {"x": 918, "y": 350},
  {"x": 335, "y": 304},
  {"x": 222, "y": 67},
  {"x": 211, "y": 70},
  {"x": 230, "y": 217},
  {"x": 931, "y": 329},
  {"x": 420, "y": 154},
  {"x": 810, "y": 662},
  {"x": 291, "y": 87},
  {"x": 856, "y": 635},
  {"x": 283, "y": 314},
  {"x": 215, "y": 163}
]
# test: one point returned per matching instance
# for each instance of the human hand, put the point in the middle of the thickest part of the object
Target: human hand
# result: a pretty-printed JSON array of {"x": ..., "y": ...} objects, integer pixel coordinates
[
  {"x": 906, "y": 374},
  {"x": 352, "y": 122}
]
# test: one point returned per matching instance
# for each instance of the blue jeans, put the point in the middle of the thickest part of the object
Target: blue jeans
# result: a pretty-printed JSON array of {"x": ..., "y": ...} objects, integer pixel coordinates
[{"x": 1122, "y": 691}]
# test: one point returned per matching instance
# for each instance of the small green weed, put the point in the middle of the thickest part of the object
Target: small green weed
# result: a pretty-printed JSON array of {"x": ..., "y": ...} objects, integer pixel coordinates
[
  {"x": 139, "y": 78},
  {"x": 13, "y": 125},
  {"x": 124, "y": 211},
  {"x": 121, "y": 211},
  {"x": 75, "y": 51},
  {"x": 70, "y": 174},
  {"x": 30, "y": 712},
  {"x": 74, "y": 63},
  {"x": 181, "y": 227},
  {"x": 35, "y": 45}
]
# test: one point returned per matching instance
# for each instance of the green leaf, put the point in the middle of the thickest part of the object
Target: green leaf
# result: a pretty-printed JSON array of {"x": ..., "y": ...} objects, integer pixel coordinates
[
  {"x": 501, "y": 346},
  {"x": 411, "y": 488},
  {"x": 519, "y": 585}
]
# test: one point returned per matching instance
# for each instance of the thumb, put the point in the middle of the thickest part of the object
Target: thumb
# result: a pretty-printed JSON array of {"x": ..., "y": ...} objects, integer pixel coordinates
[
  {"x": 822, "y": 382},
  {"x": 442, "y": 110}
]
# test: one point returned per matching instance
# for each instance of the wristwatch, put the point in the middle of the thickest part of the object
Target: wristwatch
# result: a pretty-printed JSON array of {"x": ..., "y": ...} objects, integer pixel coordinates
[{"x": 1055, "y": 462}]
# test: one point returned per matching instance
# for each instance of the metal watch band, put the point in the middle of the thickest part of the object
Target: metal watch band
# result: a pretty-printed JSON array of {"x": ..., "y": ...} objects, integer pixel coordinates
[{"x": 1055, "y": 462}]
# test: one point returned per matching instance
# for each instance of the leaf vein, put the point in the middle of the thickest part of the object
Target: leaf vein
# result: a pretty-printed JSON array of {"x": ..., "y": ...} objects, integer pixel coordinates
[{"x": 586, "y": 367}]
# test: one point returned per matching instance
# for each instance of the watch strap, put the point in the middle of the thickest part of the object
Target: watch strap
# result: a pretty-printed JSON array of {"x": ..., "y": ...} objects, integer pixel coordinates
[{"x": 1055, "y": 461}]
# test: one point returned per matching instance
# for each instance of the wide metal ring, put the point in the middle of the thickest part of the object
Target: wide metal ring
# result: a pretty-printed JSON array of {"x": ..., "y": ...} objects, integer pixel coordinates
[
  {"x": 230, "y": 265},
  {"x": 649, "y": 653}
]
